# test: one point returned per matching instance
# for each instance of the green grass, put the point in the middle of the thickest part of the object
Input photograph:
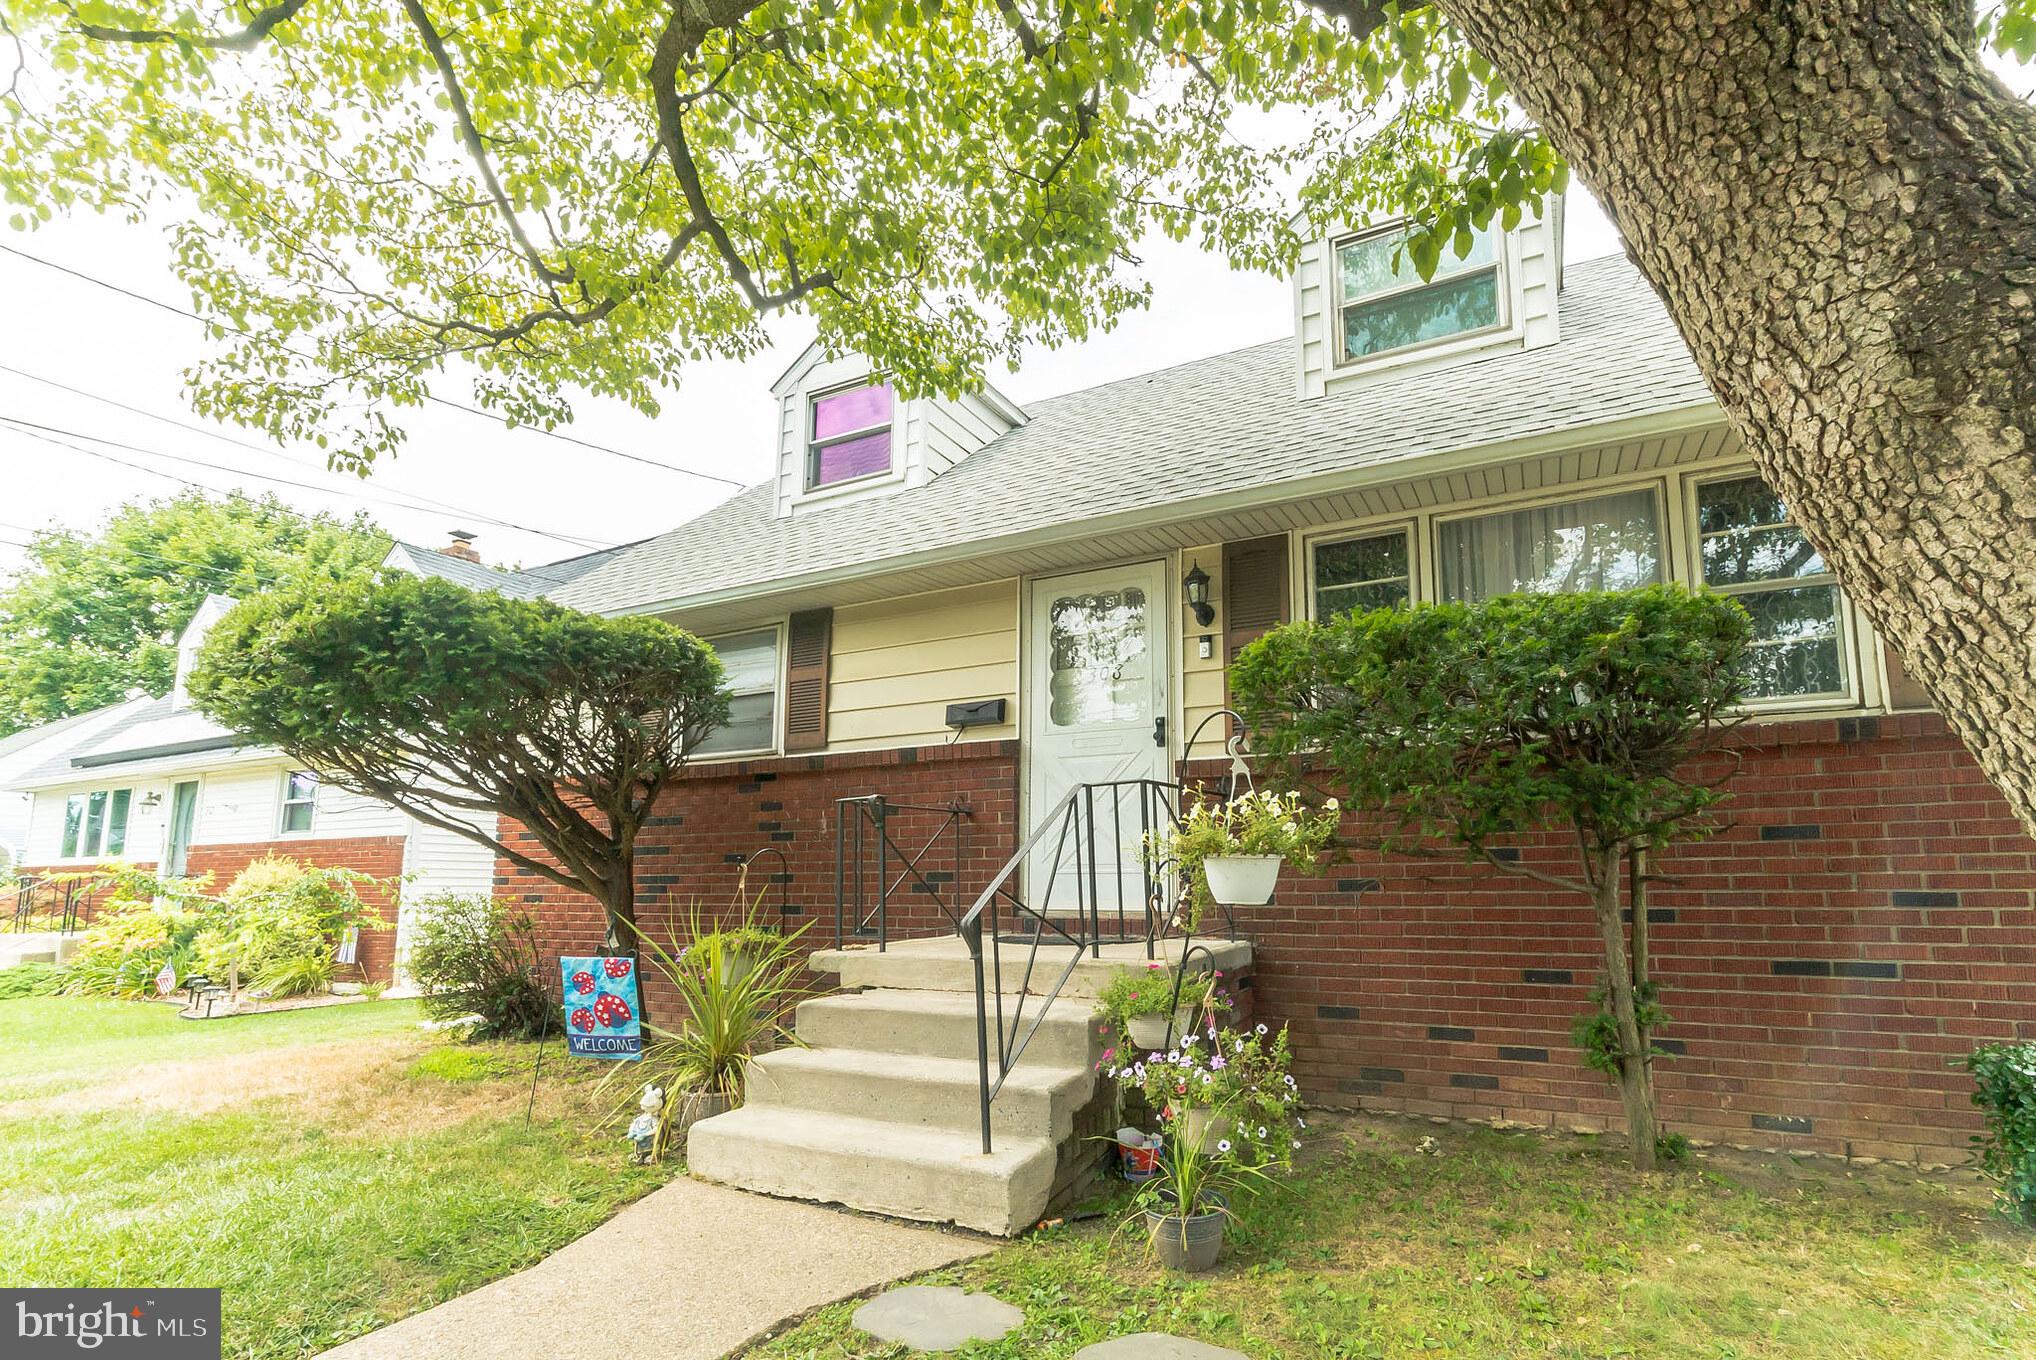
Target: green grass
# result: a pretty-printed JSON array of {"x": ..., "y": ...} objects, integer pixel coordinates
[
  {"x": 392, "y": 1172},
  {"x": 1518, "y": 1246}
]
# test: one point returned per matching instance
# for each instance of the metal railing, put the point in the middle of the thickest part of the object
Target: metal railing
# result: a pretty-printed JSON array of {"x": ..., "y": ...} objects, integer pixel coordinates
[
  {"x": 1084, "y": 849},
  {"x": 866, "y": 854},
  {"x": 63, "y": 901}
]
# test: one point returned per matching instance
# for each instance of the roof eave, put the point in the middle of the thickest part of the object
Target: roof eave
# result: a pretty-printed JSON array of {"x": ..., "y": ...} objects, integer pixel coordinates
[{"x": 1667, "y": 420}]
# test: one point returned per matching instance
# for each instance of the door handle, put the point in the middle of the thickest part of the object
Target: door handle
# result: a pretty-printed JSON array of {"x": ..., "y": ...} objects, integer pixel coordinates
[{"x": 1159, "y": 730}]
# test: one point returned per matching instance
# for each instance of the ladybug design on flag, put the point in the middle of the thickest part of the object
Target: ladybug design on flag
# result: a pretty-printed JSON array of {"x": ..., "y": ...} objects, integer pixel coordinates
[
  {"x": 583, "y": 1020},
  {"x": 583, "y": 982},
  {"x": 612, "y": 1011},
  {"x": 615, "y": 968}
]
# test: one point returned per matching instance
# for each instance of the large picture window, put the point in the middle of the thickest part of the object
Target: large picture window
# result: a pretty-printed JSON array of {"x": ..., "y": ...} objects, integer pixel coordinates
[
  {"x": 1368, "y": 572},
  {"x": 1603, "y": 543},
  {"x": 749, "y": 663},
  {"x": 851, "y": 435},
  {"x": 1382, "y": 309},
  {"x": 1748, "y": 548},
  {"x": 95, "y": 823}
]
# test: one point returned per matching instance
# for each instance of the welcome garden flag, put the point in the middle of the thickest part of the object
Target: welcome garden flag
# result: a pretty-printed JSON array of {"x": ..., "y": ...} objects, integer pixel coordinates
[{"x": 601, "y": 1006}]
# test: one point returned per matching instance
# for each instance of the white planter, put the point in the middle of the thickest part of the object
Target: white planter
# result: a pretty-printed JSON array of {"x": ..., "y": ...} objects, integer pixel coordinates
[
  {"x": 1195, "y": 1124},
  {"x": 1242, "y": 880},
  {"x": 1148, "y": 1032}
]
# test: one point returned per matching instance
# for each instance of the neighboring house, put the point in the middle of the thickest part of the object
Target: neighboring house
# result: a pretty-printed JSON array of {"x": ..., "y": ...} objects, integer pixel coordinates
[
  {"x": 154, "y": 782},
  {"x": 1508, "y": 425}
]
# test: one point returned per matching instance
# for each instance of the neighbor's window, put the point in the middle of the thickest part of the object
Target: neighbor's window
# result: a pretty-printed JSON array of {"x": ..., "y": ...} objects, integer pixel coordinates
[
  {"x": 851, "y": 435},
  {"x": 1383, "y": 309},
  {"x": 1604, "y": 543},
  {"x": 96, "y": 823},
  {"x": 1362, "y": 573},
  {"x": 1748, "y": 548},
  {"x": 749, "y": 663},
  {"x": 300, "y": 801}
]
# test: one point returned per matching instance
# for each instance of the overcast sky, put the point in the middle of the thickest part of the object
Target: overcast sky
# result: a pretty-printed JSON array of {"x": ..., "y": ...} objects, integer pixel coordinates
[{"x": 65, "y": 330}]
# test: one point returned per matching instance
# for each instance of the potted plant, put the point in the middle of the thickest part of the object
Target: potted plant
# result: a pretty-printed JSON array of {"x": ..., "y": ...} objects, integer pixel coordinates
[
  {"x": 1143, "y": 1010},
  {"x": 1229, "y": 1110},
  {"x": 733, "y": 1011},
  {"x": 1231, "y": 852}
]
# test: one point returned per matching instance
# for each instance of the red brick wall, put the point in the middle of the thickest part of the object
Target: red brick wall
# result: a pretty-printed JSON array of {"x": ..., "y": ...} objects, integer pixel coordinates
[
  {"x": 380, "y": 857},
  {"x": 714, "y": 816},
  {"x": 1870, "y": 915}
]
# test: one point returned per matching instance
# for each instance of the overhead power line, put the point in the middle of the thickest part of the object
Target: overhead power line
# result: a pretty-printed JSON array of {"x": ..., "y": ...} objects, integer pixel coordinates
[
  {"x": 428, "y": 396},
  {"x": 30, "y": 428},
  {"x": 424, "y": 502}
]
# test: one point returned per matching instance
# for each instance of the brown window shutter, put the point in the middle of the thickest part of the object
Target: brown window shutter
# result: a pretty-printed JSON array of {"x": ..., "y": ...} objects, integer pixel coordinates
[
  {"x": 806, "y": 656},
  {"x": 1254, "y": 594}
]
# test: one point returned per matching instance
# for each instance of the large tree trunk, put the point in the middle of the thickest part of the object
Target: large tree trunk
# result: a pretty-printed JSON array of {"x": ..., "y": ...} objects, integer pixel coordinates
[{"x": 1837, "y": 203}]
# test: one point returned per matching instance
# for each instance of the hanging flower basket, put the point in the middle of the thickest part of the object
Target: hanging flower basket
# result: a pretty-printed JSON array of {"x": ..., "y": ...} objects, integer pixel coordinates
[{"x": 1242, "y": 880}]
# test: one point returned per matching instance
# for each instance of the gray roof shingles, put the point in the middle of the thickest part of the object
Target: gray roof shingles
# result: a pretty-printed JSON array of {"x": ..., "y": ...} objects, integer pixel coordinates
[{"x": 1227, "y": 423}]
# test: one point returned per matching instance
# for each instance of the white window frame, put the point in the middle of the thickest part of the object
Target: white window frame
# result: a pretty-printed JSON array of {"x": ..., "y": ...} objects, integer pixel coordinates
[
  {"x": 810, "y": 446},
  {"x": 285, "y": 802},
  {"x": 1664, "y": 517},
  {"x": 1502, "y": 265},
  {"x": 1851, "y": 696},
  {"x": 86, "y": 849},
  {"x": 777, "y": 743},
  {"x": 1411, "y": 528}
]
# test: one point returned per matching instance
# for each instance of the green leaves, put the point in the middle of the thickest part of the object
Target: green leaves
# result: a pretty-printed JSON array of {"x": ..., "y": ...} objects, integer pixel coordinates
[{"x": 1472, "y": 724}]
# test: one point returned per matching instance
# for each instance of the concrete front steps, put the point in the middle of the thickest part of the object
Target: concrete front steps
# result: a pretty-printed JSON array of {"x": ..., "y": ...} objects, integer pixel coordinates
[{"x": 880, "y": 1110}]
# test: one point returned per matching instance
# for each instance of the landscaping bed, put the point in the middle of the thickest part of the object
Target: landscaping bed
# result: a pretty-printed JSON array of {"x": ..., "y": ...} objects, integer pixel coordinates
[
  {"x": 1517, "y": 1244},
  {"x": 332, "y": 1169}
]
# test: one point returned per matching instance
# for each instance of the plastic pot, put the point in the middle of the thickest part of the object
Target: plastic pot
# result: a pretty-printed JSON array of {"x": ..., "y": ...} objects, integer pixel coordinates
[
  {"x": 1149, "y": 1033},
  {"x": 1242, "y": 880}
]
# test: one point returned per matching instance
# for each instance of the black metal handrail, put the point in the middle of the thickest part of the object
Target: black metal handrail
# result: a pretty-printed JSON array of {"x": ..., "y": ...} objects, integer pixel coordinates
[
  {"x": 862, "y": 831},
  {"x": 1071, "y": 827},
  {"x": 66, "y": 898}
]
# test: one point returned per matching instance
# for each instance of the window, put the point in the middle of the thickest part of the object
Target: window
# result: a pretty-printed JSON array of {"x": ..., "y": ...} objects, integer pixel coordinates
[
  {"x": 1362, "y": 573},
  {"x": 1382, "y": 309},
  {"x": 300, "y": 801},
  {"x": 1748, "y": 548},
  {"x": 1604, "y": 543},
  {"x": 96, "y": 823},
  {"x": 851, "y": 436},
  {"x": 749, "y": 662}
]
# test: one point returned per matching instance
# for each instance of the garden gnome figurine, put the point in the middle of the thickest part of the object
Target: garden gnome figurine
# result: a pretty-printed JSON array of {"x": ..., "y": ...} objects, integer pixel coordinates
[{"x": 643, "y": 1128}]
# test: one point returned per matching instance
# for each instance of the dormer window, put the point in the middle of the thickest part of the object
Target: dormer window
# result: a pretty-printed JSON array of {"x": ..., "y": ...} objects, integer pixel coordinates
[
  {"x": 851, "y": 435},
  {"x": 1380, "y": 310}
]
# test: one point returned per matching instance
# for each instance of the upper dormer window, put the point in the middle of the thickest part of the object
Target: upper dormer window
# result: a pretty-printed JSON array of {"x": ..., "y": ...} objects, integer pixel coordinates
[
  {"x": 1381, "y": 310},
  {"x": 851, "y": 435}
]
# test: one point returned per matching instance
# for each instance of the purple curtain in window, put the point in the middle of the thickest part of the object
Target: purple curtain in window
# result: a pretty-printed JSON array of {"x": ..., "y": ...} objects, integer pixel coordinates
[
  {"x": 858, "y": 408},
  {"x": 854, "y": 458}
]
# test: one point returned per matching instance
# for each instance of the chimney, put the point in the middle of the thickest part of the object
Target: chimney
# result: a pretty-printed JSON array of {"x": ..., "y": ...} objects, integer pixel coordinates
[{"x": 462, "y": 546}]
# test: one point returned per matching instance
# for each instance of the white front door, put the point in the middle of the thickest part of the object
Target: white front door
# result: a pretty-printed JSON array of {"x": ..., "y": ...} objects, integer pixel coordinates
[{"x": 1096, "y": 699}]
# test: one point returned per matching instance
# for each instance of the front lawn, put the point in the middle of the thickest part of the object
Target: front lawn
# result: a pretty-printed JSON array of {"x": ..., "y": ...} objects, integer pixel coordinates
[
  {"x": 332, "y": 1169},
  {"x": 1504, "y": 1245}
]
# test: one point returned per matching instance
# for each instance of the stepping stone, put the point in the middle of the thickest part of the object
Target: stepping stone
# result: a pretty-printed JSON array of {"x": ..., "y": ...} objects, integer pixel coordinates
[
  {"x": 936, "y": 1317},
  {"x": 1156, "y": 1346}
]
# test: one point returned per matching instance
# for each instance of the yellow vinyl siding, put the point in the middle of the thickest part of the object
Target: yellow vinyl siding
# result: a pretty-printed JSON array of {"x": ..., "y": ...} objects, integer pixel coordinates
[
  {"x": 1202, "y": 681},
  {"x": 897, "y": 665}
]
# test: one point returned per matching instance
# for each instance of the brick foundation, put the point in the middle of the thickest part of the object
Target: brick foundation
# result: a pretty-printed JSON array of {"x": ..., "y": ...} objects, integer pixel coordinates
[
  {"x": 1870, "y": 915},
  {"x": 714, "y": 816},
  {"x": 380, "y": 857}
]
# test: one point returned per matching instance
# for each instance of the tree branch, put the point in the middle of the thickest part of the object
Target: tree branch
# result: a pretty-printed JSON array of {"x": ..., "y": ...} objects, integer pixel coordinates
[
  {"x": 248, "y": 38},
  {"x": 1363, "y": 17}
]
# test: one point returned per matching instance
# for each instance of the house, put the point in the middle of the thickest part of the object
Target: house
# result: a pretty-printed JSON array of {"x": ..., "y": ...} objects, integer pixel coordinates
[
  {"x": 975, "y": 604},
  {"x": 153, "y": 782}
]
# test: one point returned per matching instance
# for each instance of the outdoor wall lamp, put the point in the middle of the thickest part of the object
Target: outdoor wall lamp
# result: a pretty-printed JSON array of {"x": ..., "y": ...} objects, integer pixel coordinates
[{"x": 1196, "y": 583}]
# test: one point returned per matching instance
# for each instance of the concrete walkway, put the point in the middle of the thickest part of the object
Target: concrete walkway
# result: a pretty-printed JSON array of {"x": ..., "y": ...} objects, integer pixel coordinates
[{"x": 690, "y": 1272}]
